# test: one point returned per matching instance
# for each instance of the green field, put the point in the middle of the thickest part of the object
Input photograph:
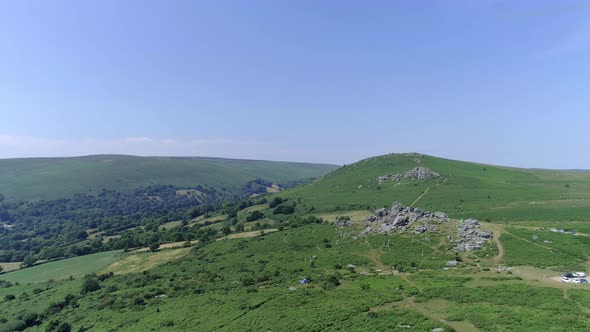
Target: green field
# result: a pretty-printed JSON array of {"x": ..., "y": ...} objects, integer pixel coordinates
[
  {"x": 50, "y": 178},
  {"x": 62, "y": 269}
]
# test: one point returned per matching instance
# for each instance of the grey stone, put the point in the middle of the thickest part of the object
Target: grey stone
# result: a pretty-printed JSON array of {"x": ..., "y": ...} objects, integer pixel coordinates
[{"x": 453, "y": 263}]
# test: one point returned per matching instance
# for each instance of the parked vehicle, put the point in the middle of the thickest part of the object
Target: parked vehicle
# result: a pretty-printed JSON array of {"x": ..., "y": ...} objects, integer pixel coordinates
[
  {"x": 576, "y": 281},
  {"x": 583, "y": 281},
  {"x": 579, "y": 274},
  {"x": 565, "y": 279}
]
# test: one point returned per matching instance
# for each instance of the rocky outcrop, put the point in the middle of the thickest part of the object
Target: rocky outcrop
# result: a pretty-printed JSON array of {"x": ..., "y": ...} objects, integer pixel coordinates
[
  {"x": 418, "y": 173},
  {"x": 403, "y": 218},
  {"x": 343, "y": 223},
  {"x": 470, "y": 237}
]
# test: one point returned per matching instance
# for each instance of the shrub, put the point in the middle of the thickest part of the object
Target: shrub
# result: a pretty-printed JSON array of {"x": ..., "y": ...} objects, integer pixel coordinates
[
  {"x": 275, "y": 201},
  {"x": 154, "y": 246},
  {"x": 254, "y": 215},
  {"x": 57, "y": 326},
  {"x": 284, "y": 209},
  {"x": 90, "y": 284},
  {"x": 31, "y": 319}
]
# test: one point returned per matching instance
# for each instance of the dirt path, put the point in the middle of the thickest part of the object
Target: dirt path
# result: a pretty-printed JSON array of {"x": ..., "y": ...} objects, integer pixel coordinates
[
  {"x": 403, "y": 276},
  {"x": 375, "y": 256},
  {"x": 426, "y": 191},
  {"x": 498, "y": 258},
  {"x": 531, "y": 242},
  {"x": 409, "y": 303},
  {"x": 498, "y": 231}
]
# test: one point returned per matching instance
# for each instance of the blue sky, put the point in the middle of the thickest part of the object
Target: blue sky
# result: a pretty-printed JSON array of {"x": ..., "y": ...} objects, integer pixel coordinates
[{"x": 500, "y": 82}]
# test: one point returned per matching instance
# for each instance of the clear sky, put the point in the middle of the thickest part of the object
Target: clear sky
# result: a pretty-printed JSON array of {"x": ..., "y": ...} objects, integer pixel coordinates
[{"x": 503, "y": 82}]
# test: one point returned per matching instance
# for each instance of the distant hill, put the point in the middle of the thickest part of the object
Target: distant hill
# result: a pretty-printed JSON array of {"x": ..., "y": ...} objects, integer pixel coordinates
[
  {"x": 50, "y": 178},
  {"x": 274, "y": 265},
  {"x": 462, "y": 189}
]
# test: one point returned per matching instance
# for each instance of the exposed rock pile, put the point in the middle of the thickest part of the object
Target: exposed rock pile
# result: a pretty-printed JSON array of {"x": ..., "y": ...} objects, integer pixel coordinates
[
  {"x": 417, "y": 173},
  {"x": 406, "y": 219},
  {"x": 343, "y": 223},
  {"x": 403, "y": 218},
  {"x": 470, "y": 237}
]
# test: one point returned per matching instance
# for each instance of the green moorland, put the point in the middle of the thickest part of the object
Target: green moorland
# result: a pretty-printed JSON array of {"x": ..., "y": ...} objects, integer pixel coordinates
[
  {"x": 253, "y": 284},
  {"x": 51, "y": 178},
  {"x": 463, "y": 190},
  {"x": 250, "y": 281}
]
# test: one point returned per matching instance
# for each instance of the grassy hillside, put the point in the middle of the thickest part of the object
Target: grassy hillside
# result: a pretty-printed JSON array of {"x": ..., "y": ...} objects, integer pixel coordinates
[
  {"x": 254, "y": 285},
  {"x": 73, "y": 267},
  {"x": 49, "y": 178},
  {"x": 250, "y": 280},
  {"x": 462, "y": 190}
]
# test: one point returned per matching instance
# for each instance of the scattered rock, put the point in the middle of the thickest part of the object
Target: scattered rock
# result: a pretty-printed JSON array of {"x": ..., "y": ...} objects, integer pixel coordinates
[
  {"x": 343, "y": 223},
  {"x": 292, "y": 289},
  {"x": 161, "y": 296},
  {"x": 453, "y": 263},
  {"x": 403, "y": 218},
  {"x": 470, "y": 237},
  {"x": 438, "y": 329},
  {"x": 418, "y": 173}
]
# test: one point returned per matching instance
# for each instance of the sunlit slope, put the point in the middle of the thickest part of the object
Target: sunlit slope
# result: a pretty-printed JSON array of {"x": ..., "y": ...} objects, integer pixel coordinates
[
  {"x": 50, "y": 178},
  {"x": 463, "y": 189}
]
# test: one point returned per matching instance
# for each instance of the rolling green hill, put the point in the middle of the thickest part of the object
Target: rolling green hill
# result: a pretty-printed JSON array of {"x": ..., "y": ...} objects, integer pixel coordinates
[
  {"x": 463, "y": 189},
  {"x": 397, "y": 281},
  {"x": 50, "y": 178}
]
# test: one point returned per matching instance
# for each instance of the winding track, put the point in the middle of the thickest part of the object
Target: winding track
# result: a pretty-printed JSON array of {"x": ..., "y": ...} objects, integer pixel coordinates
[{"x": 426, "y": 191}]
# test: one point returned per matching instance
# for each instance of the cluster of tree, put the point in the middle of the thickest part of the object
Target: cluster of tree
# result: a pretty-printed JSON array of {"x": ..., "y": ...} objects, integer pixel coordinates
[
  {"x": 257, "y": 186},
  {"x": 54, "y": 229},
  {"x": 284, "y": 209},
  {"x": 60, "y": 228}
]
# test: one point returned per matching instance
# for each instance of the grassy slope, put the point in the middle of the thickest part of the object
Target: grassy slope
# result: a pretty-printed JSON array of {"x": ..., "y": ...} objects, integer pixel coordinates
[
  {"x": 76, "y": 267},
  {"x": 463, "y": 190},
  {"x": 248, "y": 280},
  {"x": 243, "y": 285},
  {"x": 47, "y": 178}
]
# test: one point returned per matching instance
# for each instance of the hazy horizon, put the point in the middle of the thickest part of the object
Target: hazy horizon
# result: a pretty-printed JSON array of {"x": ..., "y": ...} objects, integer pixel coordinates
[{"x": 492, "y": 82}]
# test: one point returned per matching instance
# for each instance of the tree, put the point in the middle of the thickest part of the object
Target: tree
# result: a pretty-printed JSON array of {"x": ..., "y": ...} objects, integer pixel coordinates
[
  {"x": 28, "y": 261},
  {"x": 275, "y": 201},
  {"x": 226, "y": 230},
  {"x": 154, "y": 246},
  {"x": 254, "y": 215},
  {"x": 1, "y": 269},
  {"x": 90, "y": 284}
]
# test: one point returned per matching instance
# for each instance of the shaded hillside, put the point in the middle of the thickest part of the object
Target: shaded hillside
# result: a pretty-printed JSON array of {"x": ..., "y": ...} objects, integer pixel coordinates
[
  {"x": 461, "y": 189},
  {"x": 50, "y": 178}
]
